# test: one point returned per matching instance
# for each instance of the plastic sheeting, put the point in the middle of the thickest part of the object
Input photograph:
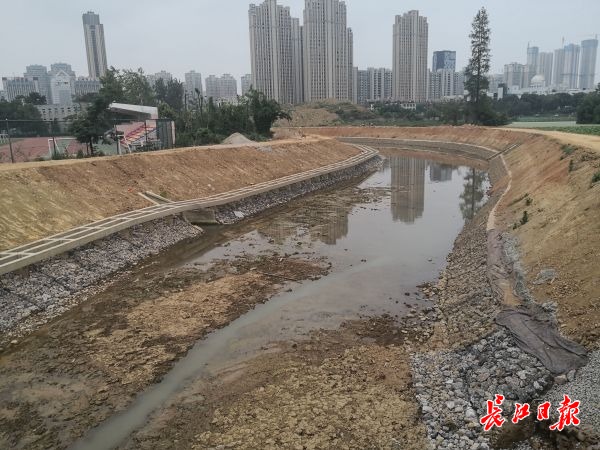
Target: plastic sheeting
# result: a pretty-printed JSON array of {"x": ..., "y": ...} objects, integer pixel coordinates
[{"x": 538, "y": 337}]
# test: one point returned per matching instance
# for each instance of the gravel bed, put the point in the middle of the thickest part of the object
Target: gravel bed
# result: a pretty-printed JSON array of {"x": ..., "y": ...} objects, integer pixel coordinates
[
  {"x": 583, "y": 386},
  {"x": 234, "y": 212},
  {"x": 46, "y": 289},
  {"x": 453, "y": 387}
]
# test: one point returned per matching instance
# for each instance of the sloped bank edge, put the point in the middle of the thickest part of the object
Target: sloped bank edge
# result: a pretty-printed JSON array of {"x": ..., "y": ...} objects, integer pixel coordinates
[{"x": 34, "y": 295}]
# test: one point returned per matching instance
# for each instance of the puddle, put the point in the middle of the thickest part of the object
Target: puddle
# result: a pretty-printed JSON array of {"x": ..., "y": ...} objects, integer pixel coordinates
[{"x": 383, "y": 237}]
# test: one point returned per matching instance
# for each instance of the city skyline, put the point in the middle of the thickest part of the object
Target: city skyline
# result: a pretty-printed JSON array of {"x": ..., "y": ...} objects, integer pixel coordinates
[{"x": 221, "y": 51}]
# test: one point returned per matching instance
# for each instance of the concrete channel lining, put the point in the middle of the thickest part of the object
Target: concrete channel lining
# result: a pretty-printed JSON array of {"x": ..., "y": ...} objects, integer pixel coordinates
[
  {"x": 457, "y": 148},
  {"x": 39, "y": 250}
]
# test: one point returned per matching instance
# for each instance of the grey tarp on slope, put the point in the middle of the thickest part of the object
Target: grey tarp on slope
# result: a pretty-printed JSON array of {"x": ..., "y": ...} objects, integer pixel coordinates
[{"x": 537, "y": 336}]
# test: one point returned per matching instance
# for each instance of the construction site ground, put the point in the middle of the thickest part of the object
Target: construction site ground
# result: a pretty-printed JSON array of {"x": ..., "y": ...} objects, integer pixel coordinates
[{"x": 348, "y": 386}]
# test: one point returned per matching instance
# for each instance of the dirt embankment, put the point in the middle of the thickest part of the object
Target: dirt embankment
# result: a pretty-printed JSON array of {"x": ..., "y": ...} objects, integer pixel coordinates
[
  {"x": 551, "y": 180},
  {"x": 40, "y": 199}
]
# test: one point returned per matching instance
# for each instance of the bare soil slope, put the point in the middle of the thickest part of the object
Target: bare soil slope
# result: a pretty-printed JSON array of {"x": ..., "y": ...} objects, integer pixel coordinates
[{"x": 40, "y": 199}]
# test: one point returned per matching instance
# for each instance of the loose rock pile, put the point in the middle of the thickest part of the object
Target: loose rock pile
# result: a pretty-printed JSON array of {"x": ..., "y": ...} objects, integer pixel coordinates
[
  {"x": 46, "y": 289},
  {"x": 582, "y": 386},
  {"x": 453, "y": 387},
  {"x": 234, "y": 212}
]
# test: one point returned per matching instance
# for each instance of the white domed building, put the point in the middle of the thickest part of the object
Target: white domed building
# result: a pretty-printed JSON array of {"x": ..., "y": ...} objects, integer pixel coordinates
[{"x": 537, "y": 85}]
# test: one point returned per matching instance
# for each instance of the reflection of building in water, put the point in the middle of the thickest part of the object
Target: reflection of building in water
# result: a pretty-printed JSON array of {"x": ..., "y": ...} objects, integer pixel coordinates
[
  {"x": 335, "y": 226},
  {"x": 325, "y": 225},
  {"x": 440, "y": 172},
  {"x": 278, "y": 231},
  {"x": 408, "y": 188}
]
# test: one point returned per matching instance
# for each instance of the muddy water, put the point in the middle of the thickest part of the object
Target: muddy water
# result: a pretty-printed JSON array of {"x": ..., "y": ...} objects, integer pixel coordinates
[{"x": 382, "y": 237}]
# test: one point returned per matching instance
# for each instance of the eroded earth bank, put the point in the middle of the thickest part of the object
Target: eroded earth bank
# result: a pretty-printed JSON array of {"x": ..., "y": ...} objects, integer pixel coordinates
[{"x": 357, "y": 317}]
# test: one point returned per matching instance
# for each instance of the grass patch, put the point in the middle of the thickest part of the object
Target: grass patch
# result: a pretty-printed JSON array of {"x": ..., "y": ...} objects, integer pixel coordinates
[
  {"x": 571, "y": 165},
  {"x": 593, "y": 130},
  {"x": 517, "y": 200},
  {"x": 567, "y": 150},
  {"x": 596, "y": 177},
  {"x": 525, "y": 218}
]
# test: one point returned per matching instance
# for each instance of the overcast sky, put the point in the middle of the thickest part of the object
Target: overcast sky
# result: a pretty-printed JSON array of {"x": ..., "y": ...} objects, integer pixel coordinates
[{"x": 211, "y": 36}]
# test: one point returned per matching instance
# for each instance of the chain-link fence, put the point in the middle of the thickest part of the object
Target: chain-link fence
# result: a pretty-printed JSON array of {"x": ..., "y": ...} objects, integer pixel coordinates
[{"x": 37, "y": 140}]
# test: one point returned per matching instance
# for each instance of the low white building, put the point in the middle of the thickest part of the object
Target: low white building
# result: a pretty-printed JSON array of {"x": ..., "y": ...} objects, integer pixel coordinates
[
  {"x": 61, "y": 88},
  {"x": 50, "y": 113},
  {"x": 16, "y": 86}
]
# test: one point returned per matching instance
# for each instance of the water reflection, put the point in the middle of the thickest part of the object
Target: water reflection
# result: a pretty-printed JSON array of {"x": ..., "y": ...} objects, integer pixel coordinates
[
  {"x": 407, "y": 188},
  {"x": 326, "y": 225},
  {"x": 440, "y": 173},
  {"x": 473, "y": 196}
]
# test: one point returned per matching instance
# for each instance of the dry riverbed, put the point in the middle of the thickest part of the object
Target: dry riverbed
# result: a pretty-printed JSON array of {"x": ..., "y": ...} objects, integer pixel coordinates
[{"x": 80, "y": 369}]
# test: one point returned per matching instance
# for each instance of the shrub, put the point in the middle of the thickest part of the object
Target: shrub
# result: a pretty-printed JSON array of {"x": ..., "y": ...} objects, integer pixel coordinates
[
  {"x": 571, "y": 165},
  {"x": 568, "y": 149},
  {"x": 525, "y": 218},
  {"x": 529, "y": 201},
  {"x": 596, "y": 177}
]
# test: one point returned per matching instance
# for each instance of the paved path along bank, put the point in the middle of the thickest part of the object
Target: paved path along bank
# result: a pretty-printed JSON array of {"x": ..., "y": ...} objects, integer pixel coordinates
[{"x": 30, "y": 297}]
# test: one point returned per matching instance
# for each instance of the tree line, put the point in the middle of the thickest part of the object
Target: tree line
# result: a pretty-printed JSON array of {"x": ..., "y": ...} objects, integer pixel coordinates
[{"x": 197, "y": 120}]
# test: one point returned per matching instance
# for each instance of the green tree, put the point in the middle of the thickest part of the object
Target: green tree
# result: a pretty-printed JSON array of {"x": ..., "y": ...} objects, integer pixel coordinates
[
  {"x": 589, "y": 109},
  {"x": 136, "y": 88},
  {"x": 170, "y": 93},
  {"x": 472, "y": 197},
  {"x": 479, "y": 63},
  {"x": 264, "y": 112},
  {"x": 35, "y": 98}
]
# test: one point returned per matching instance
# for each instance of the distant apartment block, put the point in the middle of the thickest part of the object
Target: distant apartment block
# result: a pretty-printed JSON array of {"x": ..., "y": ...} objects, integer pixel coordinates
[
  {"x": 61, "y": 66},
  {"x": 162, "y": 75},
  {"x": 533, "y": 56},
  {"x": 570, "y": 73},
  {"x": 371, "y": 85},
  {"x": 443, "y": 60},
  {"x": 221, "y": 89},
  {"x": 85, "y": 85},
  {"x": 193, "y": 85},
  {"x": 360, "y": 86},
  {"x": 246, "y": 83},
  {"x": 544, "y": 66},
  {"x": 587, "y": 72},
  {"x": 41, "y": 73},
  {"x": 275, "y": 52},
  {"x": 410, "y": 58},
  {"x": 445, "y": 84},
  {"x": 327, "y": 45},
  {"x": 61, "y": 88},
  {"x": 95, "y": 47},
  {"x": 16, "y": 86},
  {"x": 517, "y": 76}
]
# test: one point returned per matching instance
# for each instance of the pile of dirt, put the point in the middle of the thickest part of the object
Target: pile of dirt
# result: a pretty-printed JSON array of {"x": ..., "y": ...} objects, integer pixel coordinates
[
  {"x": 40, "y": 199},
  {"x": 238, "y": 139}
]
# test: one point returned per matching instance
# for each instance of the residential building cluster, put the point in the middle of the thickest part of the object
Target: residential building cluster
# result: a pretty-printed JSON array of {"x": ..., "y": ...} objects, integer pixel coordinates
[
  {"x": 571, "y": 68},
  {"x": 60, "y": 86},
  {"x": 294, "y": 62}
]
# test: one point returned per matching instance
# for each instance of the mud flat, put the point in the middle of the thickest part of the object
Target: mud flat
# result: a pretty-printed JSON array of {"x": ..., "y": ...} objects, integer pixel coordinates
[{"x": 31, "y": 297}]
